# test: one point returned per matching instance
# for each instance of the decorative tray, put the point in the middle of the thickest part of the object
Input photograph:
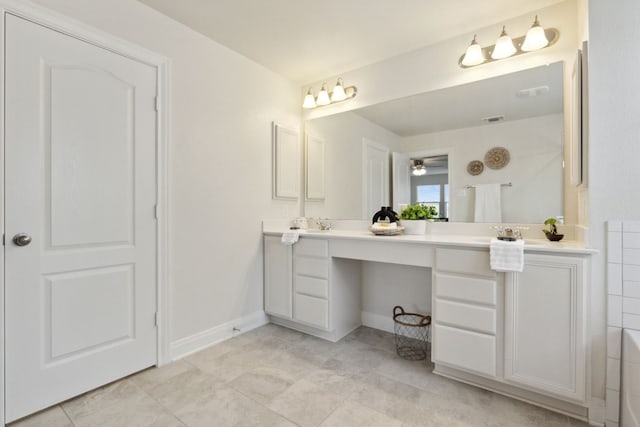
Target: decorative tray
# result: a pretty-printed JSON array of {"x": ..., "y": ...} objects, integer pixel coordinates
[{"x": 386, "y": 232}]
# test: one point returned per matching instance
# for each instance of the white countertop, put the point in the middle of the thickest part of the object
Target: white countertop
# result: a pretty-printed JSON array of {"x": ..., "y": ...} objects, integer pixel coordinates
[{"x": 478, "y": 241}]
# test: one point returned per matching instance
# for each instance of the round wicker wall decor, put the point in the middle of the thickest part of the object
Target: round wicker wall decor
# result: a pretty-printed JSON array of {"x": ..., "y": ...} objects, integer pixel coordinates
[
  {"x": 475, "y": 167},
  {"x": 497, "y": 158}
]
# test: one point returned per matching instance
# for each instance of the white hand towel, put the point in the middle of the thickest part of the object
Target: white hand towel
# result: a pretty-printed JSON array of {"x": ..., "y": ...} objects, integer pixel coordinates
[
  {"x": 488, "y": 204},
  {"x": 290, "y": 237},
  {"x": 507, "y": 256}
]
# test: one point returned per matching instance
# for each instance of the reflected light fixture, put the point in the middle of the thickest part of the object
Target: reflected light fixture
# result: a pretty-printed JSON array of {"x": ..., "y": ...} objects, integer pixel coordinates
[
  {"x": 338, "y": 94},
  {"x": 504, "y": 47},
  {"x": 536, "y": 38},
  {"x": 418, "y": 168}
]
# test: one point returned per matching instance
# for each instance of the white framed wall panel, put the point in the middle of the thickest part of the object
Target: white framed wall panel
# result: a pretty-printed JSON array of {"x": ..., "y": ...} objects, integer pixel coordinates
[
  {"x": 314, "y": 168},
  {"x": 286, "y": 163}
]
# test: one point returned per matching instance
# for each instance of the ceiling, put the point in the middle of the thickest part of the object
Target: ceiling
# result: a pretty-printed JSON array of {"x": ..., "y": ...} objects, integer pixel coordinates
[
  {"x": 309, "y": 40},
  {"x": 466, "y": 105}
]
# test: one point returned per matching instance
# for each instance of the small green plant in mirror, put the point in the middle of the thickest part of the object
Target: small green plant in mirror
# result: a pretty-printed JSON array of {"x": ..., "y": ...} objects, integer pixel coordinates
[
  {"x": 553, "y": 229},
  {"x": 418, "y": 211}
]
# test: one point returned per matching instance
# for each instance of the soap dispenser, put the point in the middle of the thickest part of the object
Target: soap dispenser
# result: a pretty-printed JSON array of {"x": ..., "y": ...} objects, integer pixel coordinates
[{"x": 385, "y": 214}]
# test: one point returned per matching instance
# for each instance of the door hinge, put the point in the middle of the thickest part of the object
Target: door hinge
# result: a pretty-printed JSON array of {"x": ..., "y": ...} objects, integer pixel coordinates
[
  {"x": 155, "y": 319},
  {"x": 3, "y": 240},
  {"x": 155, "y": 212},
  {"x": 157, "y": 103}
]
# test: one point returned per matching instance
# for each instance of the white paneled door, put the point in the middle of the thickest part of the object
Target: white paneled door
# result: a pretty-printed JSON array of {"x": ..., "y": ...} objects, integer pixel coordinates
[
  {"x": 375, "y": 177},
  {"x": 80, "y": 227}
]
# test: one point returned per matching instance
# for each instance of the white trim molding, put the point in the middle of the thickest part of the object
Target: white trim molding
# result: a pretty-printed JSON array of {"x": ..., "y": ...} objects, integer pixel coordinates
[
  {"x": 196, "y": 342},
  {"x": 58, "y": 22}
]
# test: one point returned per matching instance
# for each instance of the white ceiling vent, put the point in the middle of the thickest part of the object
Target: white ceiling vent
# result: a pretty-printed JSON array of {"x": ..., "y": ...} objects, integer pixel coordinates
[
  {"x": 532, "y": 91},
  {"x": 493, "y": 119}
]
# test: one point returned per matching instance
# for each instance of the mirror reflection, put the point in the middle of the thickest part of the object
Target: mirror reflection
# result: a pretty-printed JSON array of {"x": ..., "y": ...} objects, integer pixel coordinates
[
  {"x": 429, "y": 183},
  {"x": 501, "y": 136}
]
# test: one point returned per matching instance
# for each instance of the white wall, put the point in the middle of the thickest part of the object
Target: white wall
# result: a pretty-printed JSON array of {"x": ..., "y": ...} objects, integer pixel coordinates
[
  {"x": 222, "y": 105},
  {"x": 386, "y": 285},
  {"x": 343, "y": 135},
  {"x": 614, "y": 140},
  {"x": 535, "y": 169}
]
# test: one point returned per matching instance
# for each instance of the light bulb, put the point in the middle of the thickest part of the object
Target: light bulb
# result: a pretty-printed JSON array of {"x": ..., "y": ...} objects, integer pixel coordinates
[
  {"x": 338, "y": 92},
  {"x": 418, "y": 168},
  {"x": 474, "y": 54},
  {"x": 504, "y": 47},
  {"x": 535, "y": 38},
  {"x": 309, "y": 100},
  {"x": 323, "y": 96}
]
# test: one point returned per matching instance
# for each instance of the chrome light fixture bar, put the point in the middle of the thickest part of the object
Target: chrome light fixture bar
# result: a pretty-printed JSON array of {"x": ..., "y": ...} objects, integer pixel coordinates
[
  {"x": 505, "y": 47},
  {"x": 338, "y": 94}
]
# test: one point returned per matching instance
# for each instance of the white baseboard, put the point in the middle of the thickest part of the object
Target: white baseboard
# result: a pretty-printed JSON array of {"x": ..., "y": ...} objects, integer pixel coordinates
[
  {"x": 377, "y": 321},
  {"x": 596, "y": 412},
  {"x": 191, "y": 344}
]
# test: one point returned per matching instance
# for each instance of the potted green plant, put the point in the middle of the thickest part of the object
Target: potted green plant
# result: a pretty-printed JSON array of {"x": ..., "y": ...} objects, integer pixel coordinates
[
  {"x": 414, "y": 218},
  {"x": 552, "y": 232}
]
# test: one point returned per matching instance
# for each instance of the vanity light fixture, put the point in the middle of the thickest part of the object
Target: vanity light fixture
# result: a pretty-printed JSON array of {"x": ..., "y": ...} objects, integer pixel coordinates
[
  {"x": 418, "y": 167},
  {"x": 474, "y": 54},
  {"x": 323, "y": 96},
  {"x": 338, "y": 94},
  {"x": 536, "y": 38},
  {"x": 504, "y": 47}
]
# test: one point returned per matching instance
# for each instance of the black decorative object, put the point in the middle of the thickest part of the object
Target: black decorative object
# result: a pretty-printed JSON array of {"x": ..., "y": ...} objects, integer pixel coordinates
[{"x": 385, "y": 213}]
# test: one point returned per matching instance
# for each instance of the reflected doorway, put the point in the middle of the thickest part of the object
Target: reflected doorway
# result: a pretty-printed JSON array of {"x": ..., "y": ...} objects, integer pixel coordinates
[{"x": 429, "y": 183}]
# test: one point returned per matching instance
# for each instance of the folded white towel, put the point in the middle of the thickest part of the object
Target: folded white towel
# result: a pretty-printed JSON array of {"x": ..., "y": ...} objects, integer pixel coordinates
[
  {"x": 507, "y": 256},
  {"x": 290, "y": 237},
  {"x": 384, "y": 226}
]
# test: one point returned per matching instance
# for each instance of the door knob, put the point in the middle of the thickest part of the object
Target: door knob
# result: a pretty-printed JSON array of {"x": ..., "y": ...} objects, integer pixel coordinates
[{"x": 21, "y": 239}]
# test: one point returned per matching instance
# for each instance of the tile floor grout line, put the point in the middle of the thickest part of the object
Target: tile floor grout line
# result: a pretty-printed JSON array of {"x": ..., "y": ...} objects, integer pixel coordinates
[
  {"x": 167, "y": 410},
  {"x": 66, "y": 414}
]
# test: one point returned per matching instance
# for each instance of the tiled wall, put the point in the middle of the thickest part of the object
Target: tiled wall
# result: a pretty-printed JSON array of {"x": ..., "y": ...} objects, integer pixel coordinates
[{"x": 623, "y": 303}]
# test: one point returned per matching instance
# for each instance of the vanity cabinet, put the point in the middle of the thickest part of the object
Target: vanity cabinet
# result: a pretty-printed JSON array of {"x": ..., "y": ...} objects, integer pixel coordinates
[
  {"x": 545, "y": 326},
  {"x": 277, "y": 277},
  {"x": 467, "y": 316},
  {"x": 311, "y": 282},
  {"x": 308, "y": 290}
]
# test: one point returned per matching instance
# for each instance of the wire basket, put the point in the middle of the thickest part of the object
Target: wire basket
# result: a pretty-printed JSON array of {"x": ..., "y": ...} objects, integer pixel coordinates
[{"x": 411, "y": 333}]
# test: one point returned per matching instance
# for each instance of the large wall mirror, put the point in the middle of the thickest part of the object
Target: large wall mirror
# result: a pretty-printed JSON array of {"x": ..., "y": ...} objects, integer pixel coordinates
[{"x": 450, "y": 131}]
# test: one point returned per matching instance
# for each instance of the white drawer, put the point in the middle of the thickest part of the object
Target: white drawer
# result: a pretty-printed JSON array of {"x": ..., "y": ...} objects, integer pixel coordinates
[
  {"x": 311, "y": 310},
  {"x": 311, "y": 247},
  {"x": 315, "y": 267},
  {"x": 464, "y": 261},
  {"x": 465, "y": 349},
  {"x": 312, "y": 286},
  {"x": 473, "y": 289},
  {"x": 482, "y": 319}
]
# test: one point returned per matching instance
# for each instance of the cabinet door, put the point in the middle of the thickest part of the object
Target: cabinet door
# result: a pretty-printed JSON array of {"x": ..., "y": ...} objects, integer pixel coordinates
[
  {"x": 277, "y": 277},
  {"x": 545, "y": 326}
]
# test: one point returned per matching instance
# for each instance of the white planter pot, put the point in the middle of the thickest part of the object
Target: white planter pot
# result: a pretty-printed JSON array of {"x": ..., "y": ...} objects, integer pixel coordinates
[{"x": 414, "y": 226}]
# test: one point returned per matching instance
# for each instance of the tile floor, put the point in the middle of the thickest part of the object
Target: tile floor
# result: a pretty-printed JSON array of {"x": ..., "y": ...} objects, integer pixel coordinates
[{"x": 273, "y": 376}]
